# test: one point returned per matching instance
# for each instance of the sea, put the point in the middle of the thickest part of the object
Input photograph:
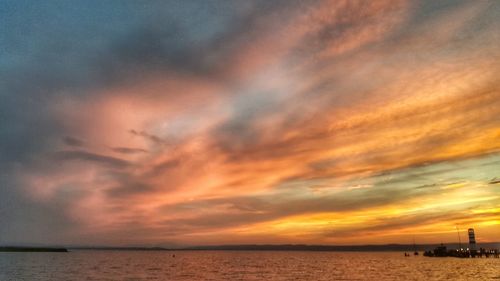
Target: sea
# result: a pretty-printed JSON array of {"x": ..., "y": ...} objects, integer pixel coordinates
[{"x": 240, "y": 265}]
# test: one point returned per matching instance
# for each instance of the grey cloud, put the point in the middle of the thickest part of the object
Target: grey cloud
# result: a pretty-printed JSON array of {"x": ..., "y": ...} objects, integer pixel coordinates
[
  {"x": 72, "y": 141},
  {"x": 80, "y": 155},
  {"x": 151, "y": 137},
  {"x": 426, "y": 186},
  {"x": 126, "y": 189},
  {"x": 26, "y": 128},
  {"x": 28, "y": 221},
  {"x": 494, "y": 181},
  {"x": 163, "y": 167},
  {"x": 129, "y": 150},
  {"x": 127, "y": 184}
]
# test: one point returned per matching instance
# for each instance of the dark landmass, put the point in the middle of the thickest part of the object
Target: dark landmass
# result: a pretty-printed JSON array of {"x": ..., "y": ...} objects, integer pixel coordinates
[
  {"x": 295, "y": 247},
  {"x": 33, "y": 249}
]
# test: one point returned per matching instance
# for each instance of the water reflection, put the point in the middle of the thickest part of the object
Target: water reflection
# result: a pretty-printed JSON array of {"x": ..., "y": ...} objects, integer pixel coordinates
[{"x": 239, "y": 265}]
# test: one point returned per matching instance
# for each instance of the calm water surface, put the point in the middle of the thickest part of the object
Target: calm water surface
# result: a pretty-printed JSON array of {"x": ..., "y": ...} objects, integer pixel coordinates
[{"x": 240, "y": 265}]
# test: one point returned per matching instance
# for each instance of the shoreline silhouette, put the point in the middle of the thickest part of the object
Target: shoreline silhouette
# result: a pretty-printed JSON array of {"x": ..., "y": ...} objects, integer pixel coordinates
[{"x": 251, "y": 247}]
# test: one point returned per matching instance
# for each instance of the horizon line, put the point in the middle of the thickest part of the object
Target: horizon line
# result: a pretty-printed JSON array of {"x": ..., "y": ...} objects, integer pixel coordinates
[{"x": 310, "y": 247}]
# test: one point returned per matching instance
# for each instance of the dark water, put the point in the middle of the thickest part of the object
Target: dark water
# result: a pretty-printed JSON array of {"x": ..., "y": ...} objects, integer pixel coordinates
[{"x": 235, "y": 265}]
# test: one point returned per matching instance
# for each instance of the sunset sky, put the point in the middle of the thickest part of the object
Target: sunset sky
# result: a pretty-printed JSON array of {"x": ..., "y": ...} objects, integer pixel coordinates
[{"x": 232, "y": 122}]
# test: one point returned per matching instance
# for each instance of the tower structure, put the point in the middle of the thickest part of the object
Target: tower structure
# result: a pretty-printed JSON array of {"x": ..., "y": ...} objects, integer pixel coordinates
[{"x": 472, "y": 240}]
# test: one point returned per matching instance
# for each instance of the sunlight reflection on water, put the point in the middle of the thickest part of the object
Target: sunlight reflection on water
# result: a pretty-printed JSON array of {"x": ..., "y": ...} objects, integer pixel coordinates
[{"x": 240, "y": 265}]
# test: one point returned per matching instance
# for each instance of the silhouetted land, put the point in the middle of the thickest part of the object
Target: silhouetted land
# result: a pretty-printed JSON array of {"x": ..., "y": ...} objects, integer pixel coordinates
[
  {"x": 294, "y": 247},
  {"x": 255, "y": 247},
  {"x": 32, "y": 249}
]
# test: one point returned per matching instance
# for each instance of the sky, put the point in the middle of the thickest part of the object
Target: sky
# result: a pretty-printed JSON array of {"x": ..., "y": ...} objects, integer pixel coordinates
[{"x": 167, "y": 123}]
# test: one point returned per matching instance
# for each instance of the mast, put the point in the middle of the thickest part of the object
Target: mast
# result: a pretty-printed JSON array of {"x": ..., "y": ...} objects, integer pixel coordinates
[
  {"x": 415, "y": 252},
  {"x": 459, "y": 242}
]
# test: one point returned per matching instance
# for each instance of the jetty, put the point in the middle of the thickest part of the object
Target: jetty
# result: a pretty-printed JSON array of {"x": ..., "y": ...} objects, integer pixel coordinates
[
  {"x": 33, "y": 249},
  {"x": 469, "y": 252}
]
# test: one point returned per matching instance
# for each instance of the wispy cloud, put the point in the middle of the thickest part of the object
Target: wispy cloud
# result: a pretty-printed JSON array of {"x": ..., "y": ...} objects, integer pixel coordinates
[{"x": 78, "y": 155}]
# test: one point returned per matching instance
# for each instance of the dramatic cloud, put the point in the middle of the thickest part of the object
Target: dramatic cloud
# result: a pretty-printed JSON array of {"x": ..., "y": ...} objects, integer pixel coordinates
[{"x": 207, "y": 122}]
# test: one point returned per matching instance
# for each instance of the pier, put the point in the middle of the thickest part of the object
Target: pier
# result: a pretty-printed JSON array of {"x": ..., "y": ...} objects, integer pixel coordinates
[
  {"x": 442, "y": 251},
  {"x": 470, "y": 252}
]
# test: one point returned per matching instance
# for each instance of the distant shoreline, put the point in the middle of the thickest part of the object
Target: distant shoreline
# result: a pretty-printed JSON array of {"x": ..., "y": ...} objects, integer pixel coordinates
[
  {"x": 293, "y": 247},
  {"x": 254, "y": 247}
]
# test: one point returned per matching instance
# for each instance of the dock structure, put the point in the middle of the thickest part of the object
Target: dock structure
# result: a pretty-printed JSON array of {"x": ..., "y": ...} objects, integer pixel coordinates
[
  {"x": 470, "y": 252},
  {"x": 442, "y": 251}
]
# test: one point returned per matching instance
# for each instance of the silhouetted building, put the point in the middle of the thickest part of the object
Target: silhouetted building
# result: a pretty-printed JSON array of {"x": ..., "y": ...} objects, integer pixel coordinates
[{"x": 472, "y": 240}]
